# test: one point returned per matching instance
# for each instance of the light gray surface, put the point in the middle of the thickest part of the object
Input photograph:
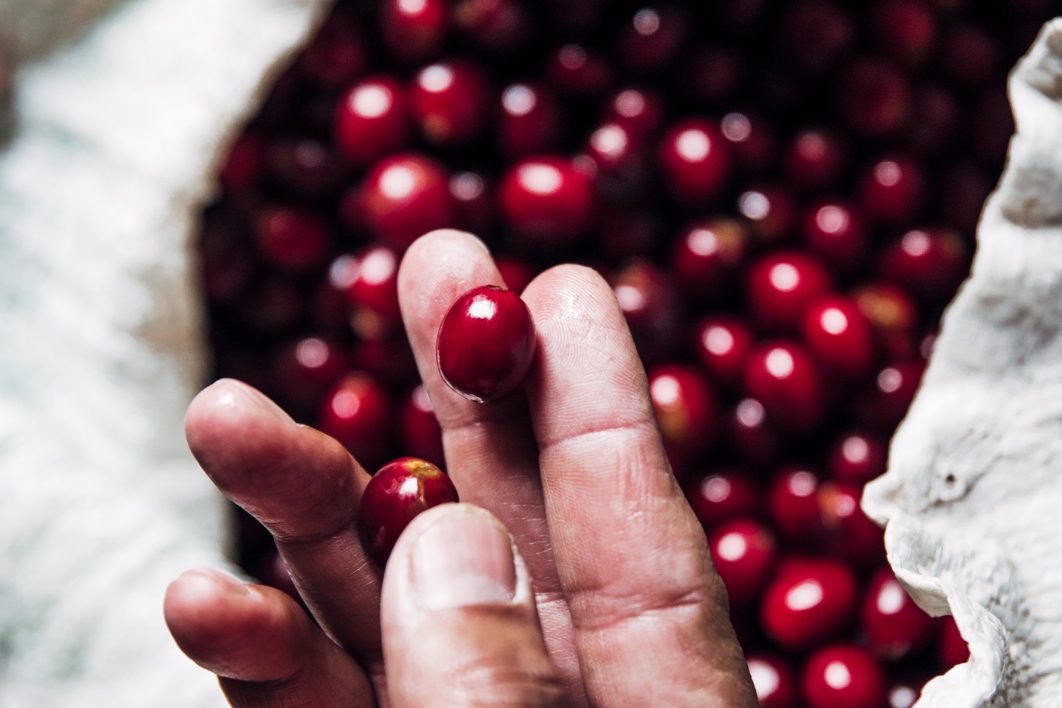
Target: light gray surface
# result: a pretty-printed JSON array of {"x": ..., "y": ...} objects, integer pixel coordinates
[
  {"x": 100, "y": 342},
  {"x": 973, "y": 495}
]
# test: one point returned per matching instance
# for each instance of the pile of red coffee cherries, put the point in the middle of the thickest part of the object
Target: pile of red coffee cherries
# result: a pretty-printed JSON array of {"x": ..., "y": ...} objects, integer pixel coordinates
[{"x": 783, "y": 195}]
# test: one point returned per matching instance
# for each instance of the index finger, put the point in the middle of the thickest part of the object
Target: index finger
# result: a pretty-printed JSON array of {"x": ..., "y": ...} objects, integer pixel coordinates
[{"x": 632, "y": 559}]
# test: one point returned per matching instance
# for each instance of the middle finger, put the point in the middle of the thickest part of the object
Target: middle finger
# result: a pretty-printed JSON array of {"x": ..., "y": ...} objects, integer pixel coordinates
[{"x": 490, "y": 449}]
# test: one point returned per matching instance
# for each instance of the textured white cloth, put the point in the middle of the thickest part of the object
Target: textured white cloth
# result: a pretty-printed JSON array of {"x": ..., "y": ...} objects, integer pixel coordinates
[
  {"x": 973, "y": 495},
  {"x": 101, "y": 505}
]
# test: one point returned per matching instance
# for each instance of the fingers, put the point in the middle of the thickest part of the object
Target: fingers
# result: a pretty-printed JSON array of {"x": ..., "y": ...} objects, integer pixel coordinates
[
  {"x": 490, "y": 450},
  {"x": 304, "y": 487},
  {"x": 459, "y": 619},
  {"x": 632, "y": 559},
  {"x": 263, "y": 647}
]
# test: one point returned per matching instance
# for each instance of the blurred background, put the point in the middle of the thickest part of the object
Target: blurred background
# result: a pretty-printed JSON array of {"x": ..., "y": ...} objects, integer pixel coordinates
[{"x": 784, "y": 196}]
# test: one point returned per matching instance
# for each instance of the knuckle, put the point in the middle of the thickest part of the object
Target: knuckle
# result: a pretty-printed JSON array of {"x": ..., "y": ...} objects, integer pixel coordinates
[
  {"x": 493, "y": 680},
  {"x": 600, "y": 609}
]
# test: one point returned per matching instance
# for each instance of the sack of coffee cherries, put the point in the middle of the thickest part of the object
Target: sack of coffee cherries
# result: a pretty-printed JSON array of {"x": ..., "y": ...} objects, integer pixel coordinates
[{"x": 784, "y": 196}]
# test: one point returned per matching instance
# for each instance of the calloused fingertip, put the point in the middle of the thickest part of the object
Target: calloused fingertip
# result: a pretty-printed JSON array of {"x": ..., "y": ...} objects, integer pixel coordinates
[
  {"x": 198, "y": 604},
  {"x": 434, "y": 250},
  {"x": 448, "y": 237},
  {"x": 228, "y": 403}
]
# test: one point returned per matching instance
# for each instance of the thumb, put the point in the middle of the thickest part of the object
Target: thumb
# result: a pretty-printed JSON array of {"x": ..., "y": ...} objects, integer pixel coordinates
[{"x": 459, "y": 620}]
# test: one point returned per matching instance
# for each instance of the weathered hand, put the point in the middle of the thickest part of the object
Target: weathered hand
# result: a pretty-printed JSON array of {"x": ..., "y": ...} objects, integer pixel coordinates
[{"x": 588, "y": 581}]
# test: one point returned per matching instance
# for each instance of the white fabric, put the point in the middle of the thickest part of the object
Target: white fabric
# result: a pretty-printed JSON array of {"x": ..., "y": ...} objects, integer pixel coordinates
[
  {"x": 973, "y": 495},
  {"x": 100, "y": 344}
]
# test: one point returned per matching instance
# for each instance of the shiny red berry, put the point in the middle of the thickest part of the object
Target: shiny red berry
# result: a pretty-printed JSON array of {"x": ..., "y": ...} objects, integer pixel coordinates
[
  {"x": 579, "y": 71},
  {"x": 750, "y": 139},
  {"x": 414, "y": 30},
  {"x": 685, "y": 409},
  {"x": 707, "y": 256},
  {"x": 722, "y": 495},
  {"x": 904, "y": 693},
  {"x": 839, "y": 336},
  {"x": 753, "y": 437},
  {"x": 780, "y": 287},
  {"x": 723, "y": 346},
  {"x": 619, "y": 163},
  {"x": 808, "y": 602},
  {"x": 695, "y": 161},
  {"x": 651, "y": 305},
  {"x": 848, "y": 533},
  {"x": 404, "y": 197},
  {"x": 891, "y": 393},
  {"x": 471, "y": 201},
  {"x": 770, "y": 211},
  {"x": 638, "y": 110},
  {"x": 529, "y": 120},
  {"x": 930, "y": 263},
  {"x": 815, "y": 159},
  {"x": 357, "y": 413},
  {"x": 372, "y": 293},
  {"x": 371, "y": 120},
  {"x": 652, "y": 37},
  {"x": 448, "y": 102},
  {"x": 486, "y": 344},
  {"x": 843, "y": 676},
  {"x": 892, "y": 190},
  {"x": 549, "y": 200},
  {"x": 835, "y": 231},
  {"x": 894, "y": 625},
  {"x": 305, "y": 368},
  {"x": 785, "y": 378},
  {"x": 858, "y": 456},
  {"x": 395, "y": 495},
  {"x": 744, "y": 552},
  {"x": 773, "y": 680},
  {"x": 793, "y": 504}
]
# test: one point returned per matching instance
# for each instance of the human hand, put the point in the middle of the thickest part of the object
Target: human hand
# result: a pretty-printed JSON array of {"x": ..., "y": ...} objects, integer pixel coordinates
[{"x": 588, "y": 581}]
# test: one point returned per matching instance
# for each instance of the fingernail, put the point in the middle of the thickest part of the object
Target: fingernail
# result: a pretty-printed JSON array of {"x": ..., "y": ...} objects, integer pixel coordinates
[
  {"x": 463, "y": 559},
  {"x": 238, "y": 391},
  {"x": 207, "y": 582}
]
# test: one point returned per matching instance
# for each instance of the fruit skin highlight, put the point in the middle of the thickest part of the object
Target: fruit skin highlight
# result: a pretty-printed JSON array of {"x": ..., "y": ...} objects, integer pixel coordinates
[
  {"x": 399, "y": 491},
  {"x": 486, "y": 344}
]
